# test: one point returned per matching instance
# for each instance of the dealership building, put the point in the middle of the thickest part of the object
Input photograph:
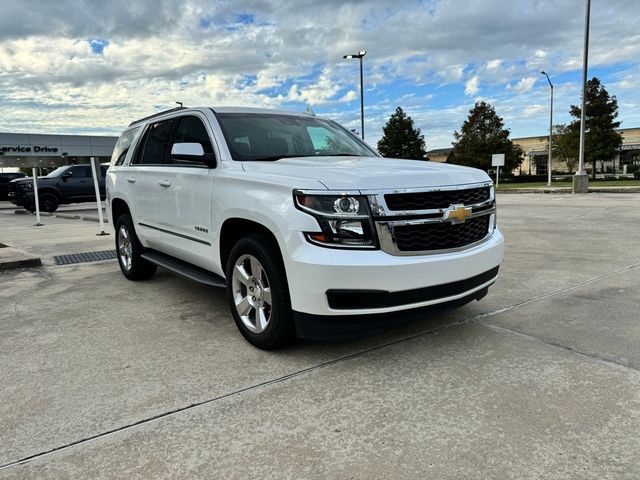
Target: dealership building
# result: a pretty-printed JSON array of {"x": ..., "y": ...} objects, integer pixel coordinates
[
  {"x": 536, "y": 154},
  {"x": 47, "y": 151}
]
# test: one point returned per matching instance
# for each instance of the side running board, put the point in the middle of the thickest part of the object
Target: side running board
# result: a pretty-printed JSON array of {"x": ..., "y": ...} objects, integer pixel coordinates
[{"x": 197, "y": 274}]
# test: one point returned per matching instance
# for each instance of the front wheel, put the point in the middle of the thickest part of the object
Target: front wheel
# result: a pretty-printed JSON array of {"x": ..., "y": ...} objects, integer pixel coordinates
[
  {"x": 129, "y": 251},
  {"x": 48, "y": 202},
  {"x": 258, "y": 293}
]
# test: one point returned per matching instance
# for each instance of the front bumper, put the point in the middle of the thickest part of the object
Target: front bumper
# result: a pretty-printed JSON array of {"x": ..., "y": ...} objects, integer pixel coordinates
[
  {"x": 336, "y": 327},
  {"x": 21, "y": 198},
  {"x": 338, "y": 283}
]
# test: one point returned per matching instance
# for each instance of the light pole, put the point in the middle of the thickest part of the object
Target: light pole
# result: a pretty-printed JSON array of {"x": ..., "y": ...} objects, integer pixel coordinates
[
  {"x": 360, "y": 55},
  {"x": 550, "y": 129},
  {"x": 580, "y": 179}
]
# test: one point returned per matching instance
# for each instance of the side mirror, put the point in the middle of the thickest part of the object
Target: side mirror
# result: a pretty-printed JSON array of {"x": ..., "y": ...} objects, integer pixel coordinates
[
  {"x": 192, "y": 152},
  {"x": 66, "y": 175}
]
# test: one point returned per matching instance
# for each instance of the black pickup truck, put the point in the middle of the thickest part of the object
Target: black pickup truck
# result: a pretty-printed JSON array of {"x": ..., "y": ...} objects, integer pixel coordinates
[
  {"x": 67, "y": 184},
  {"x": 5, "y": 178}
]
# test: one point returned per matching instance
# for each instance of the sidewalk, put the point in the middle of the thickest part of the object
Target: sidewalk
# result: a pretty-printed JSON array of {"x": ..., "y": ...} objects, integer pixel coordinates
[
  {"x": 57, "y": 236},
  {"x": 552, "y": 189}
]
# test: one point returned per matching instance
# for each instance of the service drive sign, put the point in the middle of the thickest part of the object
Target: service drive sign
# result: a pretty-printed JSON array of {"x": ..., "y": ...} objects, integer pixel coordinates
[{"x": 497, "y": 160}]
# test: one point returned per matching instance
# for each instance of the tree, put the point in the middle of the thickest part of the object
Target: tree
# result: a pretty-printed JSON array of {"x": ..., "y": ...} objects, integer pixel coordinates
[
  {"x": 401, "y": 139},
  {"x": 565, "y": 145},
  {"x": 601, "y": 141},
  {"x": 482, "y": 135}
]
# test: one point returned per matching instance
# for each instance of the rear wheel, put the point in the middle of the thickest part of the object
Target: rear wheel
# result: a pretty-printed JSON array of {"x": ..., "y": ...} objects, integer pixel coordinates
[
  {"x": 48, "y": 202},
  {"x": 258, "y": 293},
  {"x": 129, "y": 251}
]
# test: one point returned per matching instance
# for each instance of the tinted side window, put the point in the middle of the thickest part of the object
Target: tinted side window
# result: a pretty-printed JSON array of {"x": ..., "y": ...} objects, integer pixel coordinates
[
  {"x": 190, "y": 129},
  {"x": 81, "y": 171},
  {"x": 137, "y": 155},
  {"x": 156, "y": 145},
  {"x": 122, "y": 146}
]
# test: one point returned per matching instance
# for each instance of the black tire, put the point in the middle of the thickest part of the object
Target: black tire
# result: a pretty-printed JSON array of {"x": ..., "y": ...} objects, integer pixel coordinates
[
  {"x": 129, "y": 251},
  {"x": 271, "y": 277},
  {"x": 48, "y": 202}
]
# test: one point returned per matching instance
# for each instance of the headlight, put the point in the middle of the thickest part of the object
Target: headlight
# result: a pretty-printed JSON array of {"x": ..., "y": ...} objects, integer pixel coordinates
[
  {"x": 345, "y": 219},
  {"x": 28, "y": 186}
]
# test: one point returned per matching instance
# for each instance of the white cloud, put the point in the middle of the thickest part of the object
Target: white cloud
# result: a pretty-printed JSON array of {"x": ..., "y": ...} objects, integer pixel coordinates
[
  {"x": 494, "y": 64},
  {"x": 471, "y": 87},
  {"x": 524, "y": 84},
  {"x": 350, "y": 96}
]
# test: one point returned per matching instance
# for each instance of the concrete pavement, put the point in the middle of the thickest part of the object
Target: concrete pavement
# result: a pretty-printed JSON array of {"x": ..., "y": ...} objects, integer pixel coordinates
[{"x": 152, "y": 380}]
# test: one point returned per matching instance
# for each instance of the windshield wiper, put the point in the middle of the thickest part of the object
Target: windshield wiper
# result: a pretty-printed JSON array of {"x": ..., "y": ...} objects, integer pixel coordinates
[
  {"x": 342, "y": 155},
  {"x": 280, "y": 157},
  {"x": 271, "y": 158}
]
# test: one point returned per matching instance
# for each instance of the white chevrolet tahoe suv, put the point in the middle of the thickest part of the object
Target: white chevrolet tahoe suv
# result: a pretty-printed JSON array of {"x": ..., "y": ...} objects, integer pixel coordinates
[{"x": 312, "y": 233}]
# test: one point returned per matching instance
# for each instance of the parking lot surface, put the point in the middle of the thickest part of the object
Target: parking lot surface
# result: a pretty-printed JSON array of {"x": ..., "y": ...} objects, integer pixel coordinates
[{"x": 106, "y": 378}]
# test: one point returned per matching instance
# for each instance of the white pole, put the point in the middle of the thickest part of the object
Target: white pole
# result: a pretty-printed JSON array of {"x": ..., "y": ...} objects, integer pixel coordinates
[
  {"x": 35, "y": 196},
  {"x": 550, "y": 137},
  {"x": 581, "y": 180},
  {"x": 497, "y": 175},
  {"x": 94, "y": 172}
]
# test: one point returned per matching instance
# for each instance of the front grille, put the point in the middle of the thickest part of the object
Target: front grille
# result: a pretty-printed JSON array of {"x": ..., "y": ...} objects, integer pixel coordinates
[
  {"x": 440, "y": 235},
  {"x": 11, "y": 189},
  {"x": 436, "y": 199}
]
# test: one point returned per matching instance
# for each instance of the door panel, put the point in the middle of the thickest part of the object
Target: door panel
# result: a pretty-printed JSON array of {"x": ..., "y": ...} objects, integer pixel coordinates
[
  {"x": 185, "y": 211},
  {"x": 143, "y": 177},
  {"x": 185, "y": 199},
  {"x": 79, "y": 184}
]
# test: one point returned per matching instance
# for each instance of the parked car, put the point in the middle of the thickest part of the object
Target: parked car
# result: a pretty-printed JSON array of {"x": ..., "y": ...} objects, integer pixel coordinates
[
  {"x": 66, "y": 184},
  {"x": 311, "y": 232},
  {"x": 5, "y": 178}
]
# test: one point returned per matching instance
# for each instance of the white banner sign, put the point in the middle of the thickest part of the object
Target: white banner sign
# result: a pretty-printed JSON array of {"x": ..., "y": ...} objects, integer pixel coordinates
[{"x": 497, "y": 160}]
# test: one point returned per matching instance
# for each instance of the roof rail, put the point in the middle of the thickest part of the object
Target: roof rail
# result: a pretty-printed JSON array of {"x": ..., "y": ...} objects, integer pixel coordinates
[{"x": 156, "y": 115}]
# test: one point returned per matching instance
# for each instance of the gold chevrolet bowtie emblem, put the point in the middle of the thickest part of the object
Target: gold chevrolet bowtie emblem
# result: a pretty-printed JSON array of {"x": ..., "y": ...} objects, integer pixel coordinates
[{"x": 457, "y": 213}]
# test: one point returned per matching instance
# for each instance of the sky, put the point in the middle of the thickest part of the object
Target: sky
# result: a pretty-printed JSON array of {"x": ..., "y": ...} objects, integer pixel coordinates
[{"x": 91, "y": 67}]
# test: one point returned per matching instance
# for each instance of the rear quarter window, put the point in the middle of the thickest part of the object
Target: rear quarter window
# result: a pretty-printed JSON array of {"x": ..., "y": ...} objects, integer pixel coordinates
[{"x": 122, "y": 146}]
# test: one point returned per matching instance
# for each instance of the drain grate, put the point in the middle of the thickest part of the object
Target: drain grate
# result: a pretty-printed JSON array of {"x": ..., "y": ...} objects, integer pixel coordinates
[{"x": 84, "y": 257}]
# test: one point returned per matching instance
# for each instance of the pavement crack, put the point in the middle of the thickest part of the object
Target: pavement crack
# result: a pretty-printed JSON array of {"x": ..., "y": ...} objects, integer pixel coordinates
[
  {"x": 478, "y": 319},
  {"x": 551, "y": 343},
  {"x": 554, "y": 293}
]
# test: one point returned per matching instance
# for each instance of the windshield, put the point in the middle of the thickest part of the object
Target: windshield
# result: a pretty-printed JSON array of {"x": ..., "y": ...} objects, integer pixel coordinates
[
  {"x": 267, "y": 136},
  {"x": 58, "y": 171}
]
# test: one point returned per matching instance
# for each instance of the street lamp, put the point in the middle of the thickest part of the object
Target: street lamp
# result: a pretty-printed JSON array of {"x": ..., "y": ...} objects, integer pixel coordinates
[
  {"x": 550, "y": 128},
  {"x": 360, "y": 55}
]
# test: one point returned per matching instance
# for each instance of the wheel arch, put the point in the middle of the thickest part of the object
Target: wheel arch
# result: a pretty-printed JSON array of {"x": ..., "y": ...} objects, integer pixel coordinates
[
  {"x": 118, "y": 207},
  {"x": 51, "y": 191},
  {"x": 235, "y": 228}
]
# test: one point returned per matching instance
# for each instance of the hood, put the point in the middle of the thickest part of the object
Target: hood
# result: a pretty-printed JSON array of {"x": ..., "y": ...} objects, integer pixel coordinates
[
  {"x": 29, "y": 179},
  {"x": 369, "y": 173}
]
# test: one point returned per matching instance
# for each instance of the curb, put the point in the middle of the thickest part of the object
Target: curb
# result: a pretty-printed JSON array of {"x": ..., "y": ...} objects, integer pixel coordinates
[
  {"x": 536, "y": 190},
  {"x": 570, "y": 190},
  {"x": 10, "y": 259},
  {"x": 91, "y": 218}
]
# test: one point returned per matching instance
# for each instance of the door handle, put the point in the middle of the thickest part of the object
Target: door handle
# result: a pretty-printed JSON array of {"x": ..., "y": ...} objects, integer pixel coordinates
[
  {"x": 164, "y": 183},
  {"x": 131, "y": 180}
]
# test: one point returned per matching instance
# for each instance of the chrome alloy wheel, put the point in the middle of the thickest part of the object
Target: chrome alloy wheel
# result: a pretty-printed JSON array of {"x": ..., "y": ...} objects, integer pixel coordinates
[
  {"x": 251, "y": 293},
  {"x": 124, "y": 247}
]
